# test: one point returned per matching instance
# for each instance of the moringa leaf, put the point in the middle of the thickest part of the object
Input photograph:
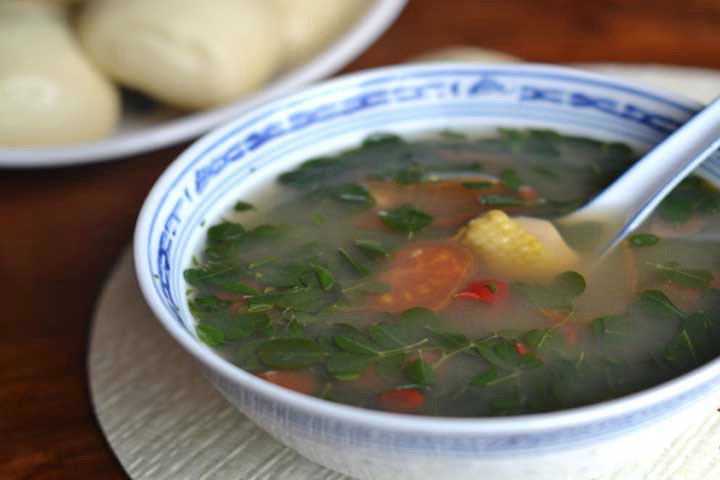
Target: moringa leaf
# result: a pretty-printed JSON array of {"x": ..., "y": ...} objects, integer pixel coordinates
[
  {"x": 643, "y": 240},
  {"x": 405, "y": 218},
  {"x": 209, "y": 335},
  {"x": 291, "y": 353},
  {"x": 420, "y": 372},
  {"x": 241, "y": 206}
]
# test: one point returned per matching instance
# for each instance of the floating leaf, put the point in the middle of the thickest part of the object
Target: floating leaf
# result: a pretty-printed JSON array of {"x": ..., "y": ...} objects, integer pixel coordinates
[
  {"x": 209, "y": 335},
  {"x": 291, "y": 353},
  {"x": 420, "y": 372},
  {"x": 241, "y": 206},
  {"x": 405, "y": 218},
  {"x": 643, "y": 240},
  {"x": 347, "y": 366},
  {"x": 656, "y": 303},
  {"x": 355, "y": 344},
  {"x": 372, "y": 248},
  {"x": 510, "y": 178},
  {"x": 327, "y": 281},
  {"x": 484, "y": 378}
]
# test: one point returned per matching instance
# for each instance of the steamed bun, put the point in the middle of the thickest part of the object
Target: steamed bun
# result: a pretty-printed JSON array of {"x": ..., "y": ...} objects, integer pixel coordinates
[
  {"x": 49, "y": 93},
  {"x": 189, "y": 53},
  {"x": 309, "y": 25}
]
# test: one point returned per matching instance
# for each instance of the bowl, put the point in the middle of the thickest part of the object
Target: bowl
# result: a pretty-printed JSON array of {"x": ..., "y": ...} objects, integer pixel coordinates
[
  {"x": 240, "y": 159},
  {"x": 142, "y": 129}
]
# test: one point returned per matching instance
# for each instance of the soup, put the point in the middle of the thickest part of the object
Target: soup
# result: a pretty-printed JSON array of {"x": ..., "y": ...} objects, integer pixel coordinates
[{"x": 401, "y": 276}]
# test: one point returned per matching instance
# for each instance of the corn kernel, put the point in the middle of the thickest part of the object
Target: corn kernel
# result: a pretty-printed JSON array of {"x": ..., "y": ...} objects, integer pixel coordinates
[{"x": 522, "y": 248}]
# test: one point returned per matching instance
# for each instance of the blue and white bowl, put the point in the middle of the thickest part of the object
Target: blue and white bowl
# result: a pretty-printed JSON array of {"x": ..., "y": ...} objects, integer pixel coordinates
[{"x": 240, "y": 160}]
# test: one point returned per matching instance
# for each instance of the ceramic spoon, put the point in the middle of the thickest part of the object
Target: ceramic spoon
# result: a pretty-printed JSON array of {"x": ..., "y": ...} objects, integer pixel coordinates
[{"x": 626, "y": 203}]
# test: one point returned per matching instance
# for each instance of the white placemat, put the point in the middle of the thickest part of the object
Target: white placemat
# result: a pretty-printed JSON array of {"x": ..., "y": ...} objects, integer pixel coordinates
[{"x": 164, "y": 421}]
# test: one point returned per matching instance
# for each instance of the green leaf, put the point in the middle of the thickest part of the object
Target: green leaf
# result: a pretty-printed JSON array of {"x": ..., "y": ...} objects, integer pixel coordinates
[
  {"x": 510, "y": 178},
  {"x": 226, "y": 278},
  {"x": 449, "y": 341},
  {"x": 689, "y": 278},
  {"x": 501, "y": 201},
  {"x": 569, "y": 284},
  {"x": 294, "y": 329},
  {"x": 410, "y": 174},
  {"x": 357, "y": 266},
  {"x": 390, "y": 366},
  {"x": 656, "y": 303},
  {"x": 347, "y": 366},
  {"x": 235, "y": 326},
  {"x": 353, "y": 194},
  {"x": 209, "y": 335},
  {"x": 384, "y": 336},
  {"x": 405, "y": 218},
  {"x": 241, "y": 206},
  {"x": 246, "y": 357},
  {"x": 420, "y": 372},
  {"x": 327, "y": 281},
  {"x": 225, "y": 232},
  {"x": 676, "y": 209},
  {"x": 643, "y": 240},
  {"x": 291, "y": 353},
  {"x": 372, "y": 248},
  {"x": 487, "y": 350},
  {"x": 207, "y": 304},
  {"x": 478, "y": 185},
  {"x": 485, "y": 378},
  {"x": 680, "y": 352},
  {"x": 355, "y": 344}
]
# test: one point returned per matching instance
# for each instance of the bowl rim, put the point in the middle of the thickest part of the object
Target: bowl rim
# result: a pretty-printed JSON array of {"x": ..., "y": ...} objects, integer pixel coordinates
[{"x": 518, "y": 424}]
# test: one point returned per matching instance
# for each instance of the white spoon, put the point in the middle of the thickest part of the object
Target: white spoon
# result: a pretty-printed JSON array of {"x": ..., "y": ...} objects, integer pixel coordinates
[{"x": 627, "y": 202}]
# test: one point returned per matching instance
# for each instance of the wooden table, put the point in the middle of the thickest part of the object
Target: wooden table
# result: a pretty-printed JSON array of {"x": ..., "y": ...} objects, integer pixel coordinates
[{"x": 63, "y": 229}]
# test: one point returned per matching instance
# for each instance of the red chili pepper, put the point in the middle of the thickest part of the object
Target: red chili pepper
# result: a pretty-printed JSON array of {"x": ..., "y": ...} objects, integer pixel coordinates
[
  {"x": 402, "y": 401},
  {"x": 487, "y": 291},
  {"x": 521, "y": 348}
]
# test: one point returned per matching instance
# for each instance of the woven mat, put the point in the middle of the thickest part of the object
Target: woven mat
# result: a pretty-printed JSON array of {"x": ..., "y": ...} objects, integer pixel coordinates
[{"x": 164, "y": 421}]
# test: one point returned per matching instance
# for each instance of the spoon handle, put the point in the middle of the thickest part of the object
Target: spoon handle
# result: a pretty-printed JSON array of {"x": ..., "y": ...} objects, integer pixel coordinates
[{"x": 626, "y": 203}]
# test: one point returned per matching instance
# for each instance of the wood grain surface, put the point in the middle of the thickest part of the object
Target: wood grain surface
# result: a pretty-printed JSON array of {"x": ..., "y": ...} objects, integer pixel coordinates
[{"x": 62, "y": 229}]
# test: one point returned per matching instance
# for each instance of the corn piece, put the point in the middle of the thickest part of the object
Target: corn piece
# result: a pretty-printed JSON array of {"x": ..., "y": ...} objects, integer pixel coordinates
[{"x": 520, "y": 248}]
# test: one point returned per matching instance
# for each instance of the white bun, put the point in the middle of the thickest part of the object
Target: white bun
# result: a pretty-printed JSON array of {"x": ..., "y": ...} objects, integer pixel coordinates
[
  {"x": 49, "y": 93},
  {"x": 309, "y": 25},
  {"x": 189, "y": 53}
]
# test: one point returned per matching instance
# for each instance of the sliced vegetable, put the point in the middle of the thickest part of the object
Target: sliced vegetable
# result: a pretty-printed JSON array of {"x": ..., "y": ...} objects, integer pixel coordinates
[{"x": 422, "y": 275}]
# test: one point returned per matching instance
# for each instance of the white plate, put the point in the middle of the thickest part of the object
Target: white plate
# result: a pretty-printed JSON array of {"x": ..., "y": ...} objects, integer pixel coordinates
[{"x": 141, "y": 132}]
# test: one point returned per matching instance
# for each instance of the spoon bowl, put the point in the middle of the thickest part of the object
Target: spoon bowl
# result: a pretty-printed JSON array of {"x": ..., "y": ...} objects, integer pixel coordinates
[{"x": 628, "y": 201}]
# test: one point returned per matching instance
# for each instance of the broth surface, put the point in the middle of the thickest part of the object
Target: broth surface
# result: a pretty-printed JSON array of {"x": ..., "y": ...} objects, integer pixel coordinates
[{"x": 360, "y": 289}]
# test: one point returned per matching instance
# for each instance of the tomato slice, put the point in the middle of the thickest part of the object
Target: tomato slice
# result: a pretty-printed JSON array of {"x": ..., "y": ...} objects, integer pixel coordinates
[
  {"x": 401, "y": 401},
  {"x": 423, "y": 275},
  {"x": 299, "y": 381},
  {"x": 450, "y": 202}
]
